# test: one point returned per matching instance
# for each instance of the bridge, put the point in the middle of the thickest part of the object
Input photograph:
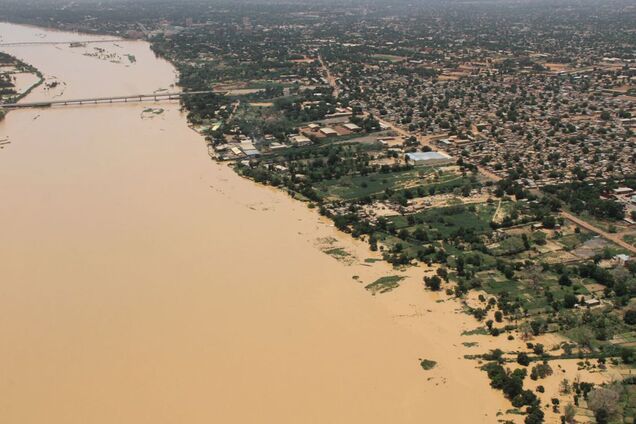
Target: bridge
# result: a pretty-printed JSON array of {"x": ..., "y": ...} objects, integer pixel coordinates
[
  {"x": 78, "y": 43},
  {"x": 101, "y": 100}
]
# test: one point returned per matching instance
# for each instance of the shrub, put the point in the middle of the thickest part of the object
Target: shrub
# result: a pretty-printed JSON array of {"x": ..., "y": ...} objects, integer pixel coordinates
[{"x": 523, "y": 359}]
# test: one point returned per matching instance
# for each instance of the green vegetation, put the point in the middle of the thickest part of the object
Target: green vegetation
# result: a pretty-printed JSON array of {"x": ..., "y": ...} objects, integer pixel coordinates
[
  {"x": 586, "y": 197},
  {"x": 427, "y": 364},
  {"x": 338, "y": 253},
  {"x": 384, "y": 284}
]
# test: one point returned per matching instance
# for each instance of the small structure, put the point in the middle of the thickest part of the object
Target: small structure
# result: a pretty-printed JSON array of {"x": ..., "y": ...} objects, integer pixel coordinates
[
  {"x": 300, "y": 140},
  {"x": 352, "y": 127},
  {"x": 429, "y": 158},
  {"x": 592, "y": 302},
  {"x": 621, "y": 191},
  {"x": 621, "y": 259},
  {"x": 328, "y": 132},
  {"x": 277, "y": 146}
]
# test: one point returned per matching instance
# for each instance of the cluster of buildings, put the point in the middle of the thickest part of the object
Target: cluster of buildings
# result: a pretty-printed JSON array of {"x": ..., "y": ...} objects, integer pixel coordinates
[
  {"x": 543, "y": 127},
  {"x": 627, "y": 197}
]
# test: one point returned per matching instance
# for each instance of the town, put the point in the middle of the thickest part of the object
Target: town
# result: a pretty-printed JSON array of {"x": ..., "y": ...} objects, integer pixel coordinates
[{"x": 492, "y": 147}]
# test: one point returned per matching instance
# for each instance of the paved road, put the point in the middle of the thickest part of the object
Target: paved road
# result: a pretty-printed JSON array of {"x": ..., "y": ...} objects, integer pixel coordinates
[
  {"x": 43, "y": 43},
  {"x": 94, "y": 100}
]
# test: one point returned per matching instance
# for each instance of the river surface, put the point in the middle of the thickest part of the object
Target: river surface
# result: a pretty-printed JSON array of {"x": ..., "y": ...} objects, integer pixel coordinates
[{"x": 142, "y": 283}]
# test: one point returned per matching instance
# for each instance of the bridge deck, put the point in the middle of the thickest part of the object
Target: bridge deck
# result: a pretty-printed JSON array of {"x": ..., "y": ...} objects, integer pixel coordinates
[
  {"x": 40, "y": 43},
  {"x": 93, "y": 100}
]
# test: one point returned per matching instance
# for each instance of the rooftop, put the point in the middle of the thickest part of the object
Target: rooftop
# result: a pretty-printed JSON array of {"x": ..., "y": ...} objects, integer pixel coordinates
[{"x": 422, "y": 156}]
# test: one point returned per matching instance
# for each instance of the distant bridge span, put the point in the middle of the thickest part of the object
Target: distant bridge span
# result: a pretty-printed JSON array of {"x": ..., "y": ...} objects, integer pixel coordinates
[
  {"x": 100, "y": 100},
  {"x": 43, "y": 43}
]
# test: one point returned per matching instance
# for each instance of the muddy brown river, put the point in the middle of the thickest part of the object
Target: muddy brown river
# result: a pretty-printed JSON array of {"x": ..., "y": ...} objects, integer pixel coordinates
[{"x": 140, "y": 282}]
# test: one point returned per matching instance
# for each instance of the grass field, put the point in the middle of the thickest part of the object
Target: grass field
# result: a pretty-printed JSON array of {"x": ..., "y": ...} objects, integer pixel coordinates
[
  {"x": 389, "y": 57},
  {"x": 440, "y": 223},
  {"x": 353, "y": 187},
  {"x": 572, "y": 241},
  {"x": 358, "y": 186}
]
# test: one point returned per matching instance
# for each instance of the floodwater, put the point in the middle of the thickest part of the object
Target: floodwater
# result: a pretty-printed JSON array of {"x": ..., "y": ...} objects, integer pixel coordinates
[{"x": 142, "y": 283}]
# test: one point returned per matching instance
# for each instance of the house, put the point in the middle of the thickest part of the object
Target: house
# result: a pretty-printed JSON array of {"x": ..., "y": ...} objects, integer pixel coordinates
[
  {"x": 429, "y": 158},
  {"x": 622, "y": 191},
  {"x": 277, "y": 146},
  {"x": 352, "y": 127},
  {"x": 328, "y": 132},
  {"x": 299, "y": 140},
  {"x": 621, "y": 259},
  {"x": 592, "y": 302}
]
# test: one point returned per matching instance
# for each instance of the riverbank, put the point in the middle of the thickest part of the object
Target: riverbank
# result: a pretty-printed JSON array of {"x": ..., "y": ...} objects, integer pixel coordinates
[
  {"x": 18, "y": 77},
  {"x": 158, "y": 278}
]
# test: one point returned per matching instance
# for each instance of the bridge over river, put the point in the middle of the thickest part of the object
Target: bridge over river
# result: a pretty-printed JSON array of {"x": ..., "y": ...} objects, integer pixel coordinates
[
  {"x": 71, "y": 43},
  {"x": 98, "y": 100}
]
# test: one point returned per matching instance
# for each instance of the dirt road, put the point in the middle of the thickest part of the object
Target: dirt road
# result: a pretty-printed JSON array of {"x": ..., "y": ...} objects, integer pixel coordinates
[
  {"x": 330, "y": 78},
  {"x": 614, "y": 238}
]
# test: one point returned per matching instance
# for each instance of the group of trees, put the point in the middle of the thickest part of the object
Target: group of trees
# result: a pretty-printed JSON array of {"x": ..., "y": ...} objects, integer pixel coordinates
[
  {"x": 511, "y": 384},
  {"x": 582, "y": 197}
]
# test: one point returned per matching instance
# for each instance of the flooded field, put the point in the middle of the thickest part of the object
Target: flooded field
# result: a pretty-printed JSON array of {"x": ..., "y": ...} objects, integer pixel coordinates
[{"x": 142, "y": 283}]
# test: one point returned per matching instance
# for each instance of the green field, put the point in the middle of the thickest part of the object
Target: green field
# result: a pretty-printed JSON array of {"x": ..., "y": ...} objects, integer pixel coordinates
[
  {"x": 441, "y": 223},
  {"x": 358, "y": 186}
]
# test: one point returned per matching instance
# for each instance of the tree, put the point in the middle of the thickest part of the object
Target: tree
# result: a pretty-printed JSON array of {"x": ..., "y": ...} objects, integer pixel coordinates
[
  {"x": 443, "y": 273},
  {"x": 536, "y": 326},
  {"x": 523, "y": 359},
  {"x": 569, "y": 300},
  {"x": 630, "y": 317},
  {"x": 525, "y": 329},
  {"x": 498, "y": 316},
  {"x": 564, "y": 280},
  {"x": 601, "y": 416},
  {"x": 434, "y": 283},
  {"x": 535, "y": 416},
  {"x": 627, "y": 355},
  {"x": 541, "y": 371}
]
